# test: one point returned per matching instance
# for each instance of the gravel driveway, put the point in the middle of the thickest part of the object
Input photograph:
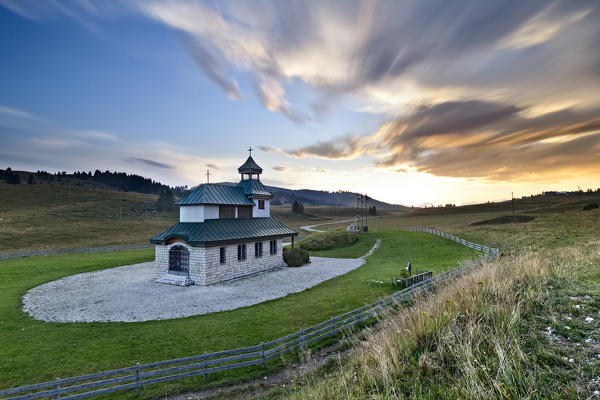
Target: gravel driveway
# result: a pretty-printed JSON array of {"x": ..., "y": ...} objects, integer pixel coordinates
[{"x": 130, "y": 294}]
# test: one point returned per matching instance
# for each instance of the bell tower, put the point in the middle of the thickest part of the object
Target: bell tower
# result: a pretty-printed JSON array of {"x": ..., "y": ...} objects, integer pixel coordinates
[{"x": 250, "y": 168}]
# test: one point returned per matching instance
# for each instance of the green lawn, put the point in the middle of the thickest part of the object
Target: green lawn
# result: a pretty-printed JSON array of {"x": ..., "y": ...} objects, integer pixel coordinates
[
  {"x": 355, "y": 250},
  {"x": 55, "y": 216},
  {"x": 34, "y": 351}
]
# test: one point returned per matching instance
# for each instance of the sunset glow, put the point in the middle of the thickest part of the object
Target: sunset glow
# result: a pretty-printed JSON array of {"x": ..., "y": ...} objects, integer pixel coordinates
[{"x": 413, "y": 102}]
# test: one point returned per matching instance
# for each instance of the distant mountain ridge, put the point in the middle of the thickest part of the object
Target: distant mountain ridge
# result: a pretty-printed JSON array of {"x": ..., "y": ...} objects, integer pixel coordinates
[
  {"x": 311, "y": 197},
  {"x": 136, "y": 183}
]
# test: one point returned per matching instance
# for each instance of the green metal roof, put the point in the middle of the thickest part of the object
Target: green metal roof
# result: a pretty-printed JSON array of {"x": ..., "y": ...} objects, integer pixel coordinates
[
  {"x": 214, "y": 231},
  {"x": 217, "y": 194},
  {"x": 250, "y": 166},
  {"x": 254, "y": 187}
]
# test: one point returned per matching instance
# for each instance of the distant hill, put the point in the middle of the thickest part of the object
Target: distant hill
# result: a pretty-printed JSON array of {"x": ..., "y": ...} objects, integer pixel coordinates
[
  {"x": 120, "y": 181},
  {"x": 309, "y": 197},
  {"x": 135, "y": 183}
]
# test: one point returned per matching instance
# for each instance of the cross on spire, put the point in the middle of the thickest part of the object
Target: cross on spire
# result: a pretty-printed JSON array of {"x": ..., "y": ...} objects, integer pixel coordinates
[
  {"x": 207, "y": 176},
  {"x": 250, "y": 150}
]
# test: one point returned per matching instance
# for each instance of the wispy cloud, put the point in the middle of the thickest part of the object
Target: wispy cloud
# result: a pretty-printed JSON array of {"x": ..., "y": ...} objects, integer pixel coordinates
[
  {"x": 476, "y": 139},
  {"x": 280, "y": 168},
  {"x": 384, "y": 56},
  {"x": 14, "y": 112},
  {"x": 150, "y": 163},
  {"x": 488, "y": 90},
  {"x": 387, "y": 55},
  {"x": 96, "y": 135},
  {"x": 213, "y": 166}
]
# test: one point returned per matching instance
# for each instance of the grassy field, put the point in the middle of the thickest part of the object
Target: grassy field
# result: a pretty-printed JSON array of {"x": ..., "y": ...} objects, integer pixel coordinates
[
  {"x": 54, "y": 216},
  {"x": 63, "y": 216},
  {"x": 559, "y": 246},
  {"x": 526, "y": 326},
  {"x": 39, "y": 351},
  {"x": 320, "y": 214},
  {"x": 522, "y": 327}
]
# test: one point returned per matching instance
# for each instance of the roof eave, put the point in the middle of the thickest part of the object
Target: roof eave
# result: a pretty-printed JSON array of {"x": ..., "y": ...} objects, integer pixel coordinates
[{"x": 228, "y": 241}]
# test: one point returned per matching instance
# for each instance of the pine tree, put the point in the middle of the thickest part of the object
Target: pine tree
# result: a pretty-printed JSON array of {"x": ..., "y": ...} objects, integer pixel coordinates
[
  {"x": 297, "y": 208},
  {"x": 165, "y": 200},
  {"x": 13, "y": 179}
]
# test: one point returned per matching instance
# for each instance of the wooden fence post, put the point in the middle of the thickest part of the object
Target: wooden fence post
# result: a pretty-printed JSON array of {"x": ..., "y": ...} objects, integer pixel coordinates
[
  {"x": 262, "y": 353},
  {"x": 332, "y": 326},
  {"x": 137, "y": 379},
  {"x": 205, "y": 366},
  {"x": 56, "y": 394},
  {"x": 301, "y": 338}
]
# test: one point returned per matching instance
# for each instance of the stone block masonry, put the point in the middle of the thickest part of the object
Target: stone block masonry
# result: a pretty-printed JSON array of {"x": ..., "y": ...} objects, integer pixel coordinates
[{"x": 205, "y": 266}]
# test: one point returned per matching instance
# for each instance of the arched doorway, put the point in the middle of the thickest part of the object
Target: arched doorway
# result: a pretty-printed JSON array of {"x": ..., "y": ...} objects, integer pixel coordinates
[{"x": 179, "y": 261}]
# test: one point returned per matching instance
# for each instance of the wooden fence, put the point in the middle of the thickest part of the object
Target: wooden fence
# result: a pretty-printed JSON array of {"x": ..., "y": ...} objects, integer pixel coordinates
[
  {"x": 138, "y": 376},
  {"x": 411, "y": 280},
  {"x": 48, "y": 252},
  {"x": 474, "y": 246}
]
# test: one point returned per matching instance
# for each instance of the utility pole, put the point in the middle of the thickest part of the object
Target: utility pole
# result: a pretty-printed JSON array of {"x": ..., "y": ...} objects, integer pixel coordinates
[
  {"x": 513, "y": 204},
  {"x": 578, "y": 193},
  {"x": 207, "y": 176},
  {"x": 366, "y": 212}
]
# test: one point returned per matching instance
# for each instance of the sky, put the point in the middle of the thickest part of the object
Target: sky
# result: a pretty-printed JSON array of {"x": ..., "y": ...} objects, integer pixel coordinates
[{"x": 412, "y": 102}]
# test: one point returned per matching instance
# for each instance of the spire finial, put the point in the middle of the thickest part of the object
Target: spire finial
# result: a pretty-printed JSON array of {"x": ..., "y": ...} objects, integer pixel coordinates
[
  {"x": 250, "y": 150},
  {"x": 207, "y": 176}
]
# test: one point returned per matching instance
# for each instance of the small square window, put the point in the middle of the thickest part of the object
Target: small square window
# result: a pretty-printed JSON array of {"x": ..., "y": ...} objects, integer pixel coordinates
[
  {"x": 261, "y": 204},
  {"x": 222, "y": 255}
]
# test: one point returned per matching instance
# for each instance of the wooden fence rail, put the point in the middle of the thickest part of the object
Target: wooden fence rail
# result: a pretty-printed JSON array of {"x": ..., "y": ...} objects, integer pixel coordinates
[
  {"x": 474, "y": 246},
  {"x": 141, "y": 375}
]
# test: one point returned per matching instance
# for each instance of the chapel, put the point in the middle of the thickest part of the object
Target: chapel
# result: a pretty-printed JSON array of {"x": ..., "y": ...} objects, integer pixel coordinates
[{"x": 224, "y": 232}]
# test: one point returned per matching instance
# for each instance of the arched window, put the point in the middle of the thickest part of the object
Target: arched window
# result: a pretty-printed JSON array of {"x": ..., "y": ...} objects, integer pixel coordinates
[{"x": 179, "y": 261}]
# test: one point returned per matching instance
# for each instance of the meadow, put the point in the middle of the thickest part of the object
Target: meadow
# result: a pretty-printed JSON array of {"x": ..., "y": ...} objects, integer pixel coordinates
[
  {"x": 60, "y": 216},
  {"x": 64, "y": 216},
  {"x": 556, "y": 248},
  {"x": 40, "y": 351},
  {"x": 525, "y": 326}
]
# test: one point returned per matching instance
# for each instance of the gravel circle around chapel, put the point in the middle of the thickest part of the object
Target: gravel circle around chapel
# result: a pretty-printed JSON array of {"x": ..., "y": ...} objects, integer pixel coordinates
[{"x": 130, "y": 294}]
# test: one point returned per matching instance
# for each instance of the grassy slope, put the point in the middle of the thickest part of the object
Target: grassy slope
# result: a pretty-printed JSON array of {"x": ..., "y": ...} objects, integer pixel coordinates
[
  {"x": 39, "y": 351},
  {"x": 484, "y": 336},
  {"x": 64, "y": 216},
  {"x": 55, "y": 216},
  {"x": 558, "y": 222}
]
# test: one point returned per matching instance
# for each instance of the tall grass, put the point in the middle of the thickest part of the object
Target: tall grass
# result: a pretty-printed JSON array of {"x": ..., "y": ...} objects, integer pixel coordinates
[{"x": 463, "y": 341}]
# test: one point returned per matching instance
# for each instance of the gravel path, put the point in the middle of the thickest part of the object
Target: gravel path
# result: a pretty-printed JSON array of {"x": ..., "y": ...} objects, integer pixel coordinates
[
  {"x": 311, "y": 228},
  {"x": 130, "y": 294}
]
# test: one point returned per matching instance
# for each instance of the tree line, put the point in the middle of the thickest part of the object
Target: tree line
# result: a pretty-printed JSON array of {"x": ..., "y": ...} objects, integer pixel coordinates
[{"x": 112, "y": 180}]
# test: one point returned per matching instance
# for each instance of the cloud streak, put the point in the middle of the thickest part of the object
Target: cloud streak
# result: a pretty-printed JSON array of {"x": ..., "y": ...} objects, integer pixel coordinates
[
  {"x": 150, "y": 163},
  {"x": 388, "y": 54},
  {"x": 498, "y": 91},
  {"x": 475, "y": 139}
]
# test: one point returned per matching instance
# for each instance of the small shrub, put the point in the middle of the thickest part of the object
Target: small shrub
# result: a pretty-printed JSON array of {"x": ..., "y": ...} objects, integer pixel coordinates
[
  {"x": 590, "y": 206},
  {"x": 329, "y": 240},
  {"x": 403, "y": 274},
  {"x": 296, "y": 257}
]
